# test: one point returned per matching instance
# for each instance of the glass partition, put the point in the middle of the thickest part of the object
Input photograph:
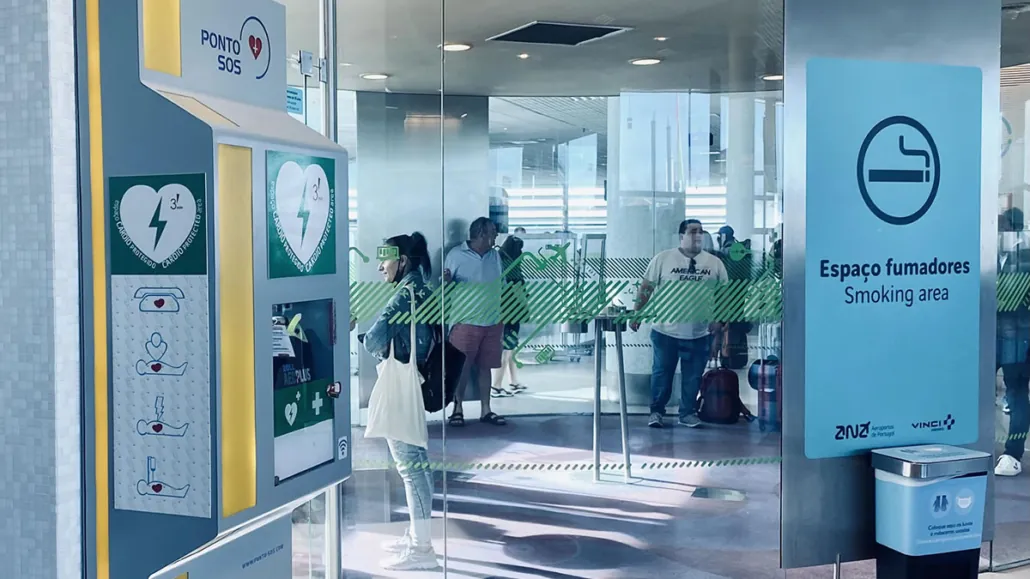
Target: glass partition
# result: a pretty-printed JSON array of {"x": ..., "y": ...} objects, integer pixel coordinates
[
  {"x": 1012, "y": 497},
  {"x": 618, "y": 306},
  {"x": 616, "y": 293}
]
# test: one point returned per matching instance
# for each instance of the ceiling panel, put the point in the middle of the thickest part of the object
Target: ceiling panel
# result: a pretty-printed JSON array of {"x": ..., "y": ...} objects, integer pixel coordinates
[{"x": 712, "y": 45}]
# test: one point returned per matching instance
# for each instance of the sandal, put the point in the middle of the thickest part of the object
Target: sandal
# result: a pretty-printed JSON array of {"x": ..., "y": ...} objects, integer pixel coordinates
[
  {"x": 493, "y": 418},
  {"x": 500, "y": 393},
  {"x": 516, "y": 388},
  {"x": 456, "y": 419}
]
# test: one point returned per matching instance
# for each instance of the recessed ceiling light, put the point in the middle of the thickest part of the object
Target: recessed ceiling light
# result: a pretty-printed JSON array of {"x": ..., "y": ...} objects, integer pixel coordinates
[
  {"x": 660, "y": 38},
  {"x": 645, "y": 61},
  {"x": 375, "y": 76},
  {"x": 523, "y": 56},
  {"x": 456, "y": 47},
  {"x": 345, "y": 64},
  {"x": 772, "y": 77}
]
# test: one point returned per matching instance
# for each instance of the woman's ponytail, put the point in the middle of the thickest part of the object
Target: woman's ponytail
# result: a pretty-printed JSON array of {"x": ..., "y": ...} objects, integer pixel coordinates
[
  {"x": 419, "y": 253},
  {"x": 414, "y": 248}
]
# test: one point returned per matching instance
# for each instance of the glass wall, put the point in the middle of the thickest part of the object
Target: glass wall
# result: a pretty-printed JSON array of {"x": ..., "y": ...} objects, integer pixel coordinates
[
  {"x": 628, "y": 182},
  {"x": 592, "y": 165},
  {"x": 1012, "y": 499}
]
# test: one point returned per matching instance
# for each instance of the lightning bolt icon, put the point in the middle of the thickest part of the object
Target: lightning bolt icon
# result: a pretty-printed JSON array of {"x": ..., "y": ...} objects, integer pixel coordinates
[
  {"x": 159, "y": 406},
  {"x": 158, "y": 224},
  {"x": 303, "y": 213}
]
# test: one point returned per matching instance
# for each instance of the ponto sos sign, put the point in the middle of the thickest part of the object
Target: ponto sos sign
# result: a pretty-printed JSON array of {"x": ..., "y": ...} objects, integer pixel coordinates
[
  {"x": 228, "y": 49},
  {"x": 245, "y": 53}
]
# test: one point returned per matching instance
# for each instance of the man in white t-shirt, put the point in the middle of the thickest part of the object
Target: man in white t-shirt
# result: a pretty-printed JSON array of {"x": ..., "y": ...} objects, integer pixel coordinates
[{"x": 681, "y": 333}]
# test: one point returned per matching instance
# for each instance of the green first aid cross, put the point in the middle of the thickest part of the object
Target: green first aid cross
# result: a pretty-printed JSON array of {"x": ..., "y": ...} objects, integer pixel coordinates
[{"x": 302, "y": 406}]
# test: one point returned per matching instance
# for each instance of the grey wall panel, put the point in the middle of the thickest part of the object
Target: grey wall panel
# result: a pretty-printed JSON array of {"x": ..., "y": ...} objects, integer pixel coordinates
[
  {"x": 827, "y": 506},
  {"x": 39, "y": 285}
]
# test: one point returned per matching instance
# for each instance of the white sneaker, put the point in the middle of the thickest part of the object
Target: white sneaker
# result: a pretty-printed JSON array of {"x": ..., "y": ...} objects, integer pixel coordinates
[
  {"x": 691, "y": 421},
  {"x": 397, "y": 545},
  {"x": 1008, "y": 466},
  {"x": 655, "y": 421},
  {"x": 412, "y": 559}
]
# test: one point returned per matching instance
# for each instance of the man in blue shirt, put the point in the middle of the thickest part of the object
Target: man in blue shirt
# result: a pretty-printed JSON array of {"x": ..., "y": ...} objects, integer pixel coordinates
[{"x": 477, "y": 330}]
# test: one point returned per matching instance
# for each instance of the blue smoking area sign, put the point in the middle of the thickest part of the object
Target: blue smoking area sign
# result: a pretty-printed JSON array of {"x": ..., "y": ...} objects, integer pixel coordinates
[{"x": 892, "y": 260}]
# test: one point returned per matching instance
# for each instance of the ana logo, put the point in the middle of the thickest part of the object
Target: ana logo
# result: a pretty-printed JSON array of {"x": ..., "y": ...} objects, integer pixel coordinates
[
  {"x": 231, "y": 57},
  {"x": 935, "y": 425},
  {"x": 852, "y": 431},
  {"x": 158, "y": 225},
  {"x": 302, "y": 200}
]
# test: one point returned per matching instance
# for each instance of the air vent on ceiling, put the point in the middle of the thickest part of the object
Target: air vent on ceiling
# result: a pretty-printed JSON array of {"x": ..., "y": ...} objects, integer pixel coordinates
[{"x": 559, "y": 33}]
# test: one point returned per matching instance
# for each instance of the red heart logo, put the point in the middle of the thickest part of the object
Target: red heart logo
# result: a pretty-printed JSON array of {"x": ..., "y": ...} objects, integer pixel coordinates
[
  {"x": 158, "y": 427},
  {"x": 157, "y": 487},
  {"x": 156, "y": 366},
  {"x": 159, "y": 303},
  {"x": 255, "y": 46}
]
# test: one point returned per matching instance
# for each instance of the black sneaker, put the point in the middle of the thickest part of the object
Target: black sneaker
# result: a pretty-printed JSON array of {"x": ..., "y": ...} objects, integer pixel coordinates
[{"x": 655, "y": 420}]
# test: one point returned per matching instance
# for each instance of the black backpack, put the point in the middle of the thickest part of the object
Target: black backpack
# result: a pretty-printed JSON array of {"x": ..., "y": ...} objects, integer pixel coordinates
[{"x": 441, "y": 373}]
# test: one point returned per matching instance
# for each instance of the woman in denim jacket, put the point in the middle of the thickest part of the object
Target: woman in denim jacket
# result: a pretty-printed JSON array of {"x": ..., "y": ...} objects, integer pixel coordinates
[{"x": 408, "y": 268}]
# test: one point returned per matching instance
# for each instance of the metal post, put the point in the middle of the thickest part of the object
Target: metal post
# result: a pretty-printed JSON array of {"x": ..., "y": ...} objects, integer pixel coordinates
[
  {"x": 598, "y": 350},
  {"x": 623, "y": 413},
  {"x": 329, "y": 44},
  {"x": 836, "y": 568},
  {"x": 330, "y": 127},
  {"x": 333, "y": 532}
]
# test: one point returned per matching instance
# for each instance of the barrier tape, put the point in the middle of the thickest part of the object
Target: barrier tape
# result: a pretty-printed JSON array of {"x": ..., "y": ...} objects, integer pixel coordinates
[
  {"x": 580, "y": 466},
  {"x": 567, "y": 466}
]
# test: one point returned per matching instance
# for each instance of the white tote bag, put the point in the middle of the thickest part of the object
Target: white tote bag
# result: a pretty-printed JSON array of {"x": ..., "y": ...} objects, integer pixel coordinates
[{"x": 396, "y": 409}]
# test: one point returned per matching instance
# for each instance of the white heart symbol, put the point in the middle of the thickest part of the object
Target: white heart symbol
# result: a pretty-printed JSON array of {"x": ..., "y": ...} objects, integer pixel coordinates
[
  {"x": 157, "y": 347},
  {"x": 291, "y": 413},
  {"x": 158, "y": 222},
  {"x": 302, "y": 206}
]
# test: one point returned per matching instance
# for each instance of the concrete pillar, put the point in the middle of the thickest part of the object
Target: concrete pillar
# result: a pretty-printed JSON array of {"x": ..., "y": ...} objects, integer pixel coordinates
[
  {"x": 39, "y": 288},
  {"x": 645, "y": 208},
  {"x": 740, "y": 148},
  {"x": 840, "y": 60}
]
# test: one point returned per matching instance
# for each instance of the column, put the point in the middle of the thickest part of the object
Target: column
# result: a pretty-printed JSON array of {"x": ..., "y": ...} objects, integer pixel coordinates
[
  {"x": 645, "y": 209},
  {"x": 866, "y": 86},
  {"x": 740, "y": 149},
  {"x": 39, "y": 288}
]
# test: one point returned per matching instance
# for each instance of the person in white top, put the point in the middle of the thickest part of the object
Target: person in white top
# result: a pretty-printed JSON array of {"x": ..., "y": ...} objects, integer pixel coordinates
[{"x": 683, "y": 334}]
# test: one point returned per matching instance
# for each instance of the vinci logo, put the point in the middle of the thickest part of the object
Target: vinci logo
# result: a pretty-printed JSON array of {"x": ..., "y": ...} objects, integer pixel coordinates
[
  {"x": 935, "y": 425},
  {"x": 247, "y": 53}
]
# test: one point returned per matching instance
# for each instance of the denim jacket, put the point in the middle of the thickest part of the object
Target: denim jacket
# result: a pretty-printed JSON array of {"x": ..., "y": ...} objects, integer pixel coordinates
[
  {"x": 392, "y": 325},
  {"x": 1014, "y": 317}
]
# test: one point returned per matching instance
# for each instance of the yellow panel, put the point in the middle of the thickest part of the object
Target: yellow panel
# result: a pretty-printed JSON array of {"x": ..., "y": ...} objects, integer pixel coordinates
[
  {"x": 162, "y": 36},
  {"x": 183, "y": 576},
  {"x": 98, "y": 256},
  {"x": 236, "y": 328}
]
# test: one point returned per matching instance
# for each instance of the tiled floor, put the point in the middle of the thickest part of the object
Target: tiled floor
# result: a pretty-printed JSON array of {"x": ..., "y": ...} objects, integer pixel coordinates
[{"x": 560, "y": 525}]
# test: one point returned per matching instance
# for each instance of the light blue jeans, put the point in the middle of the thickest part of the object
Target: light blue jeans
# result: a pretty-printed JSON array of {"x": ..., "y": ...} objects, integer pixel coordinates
[{"x": 413, "y": 466}]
